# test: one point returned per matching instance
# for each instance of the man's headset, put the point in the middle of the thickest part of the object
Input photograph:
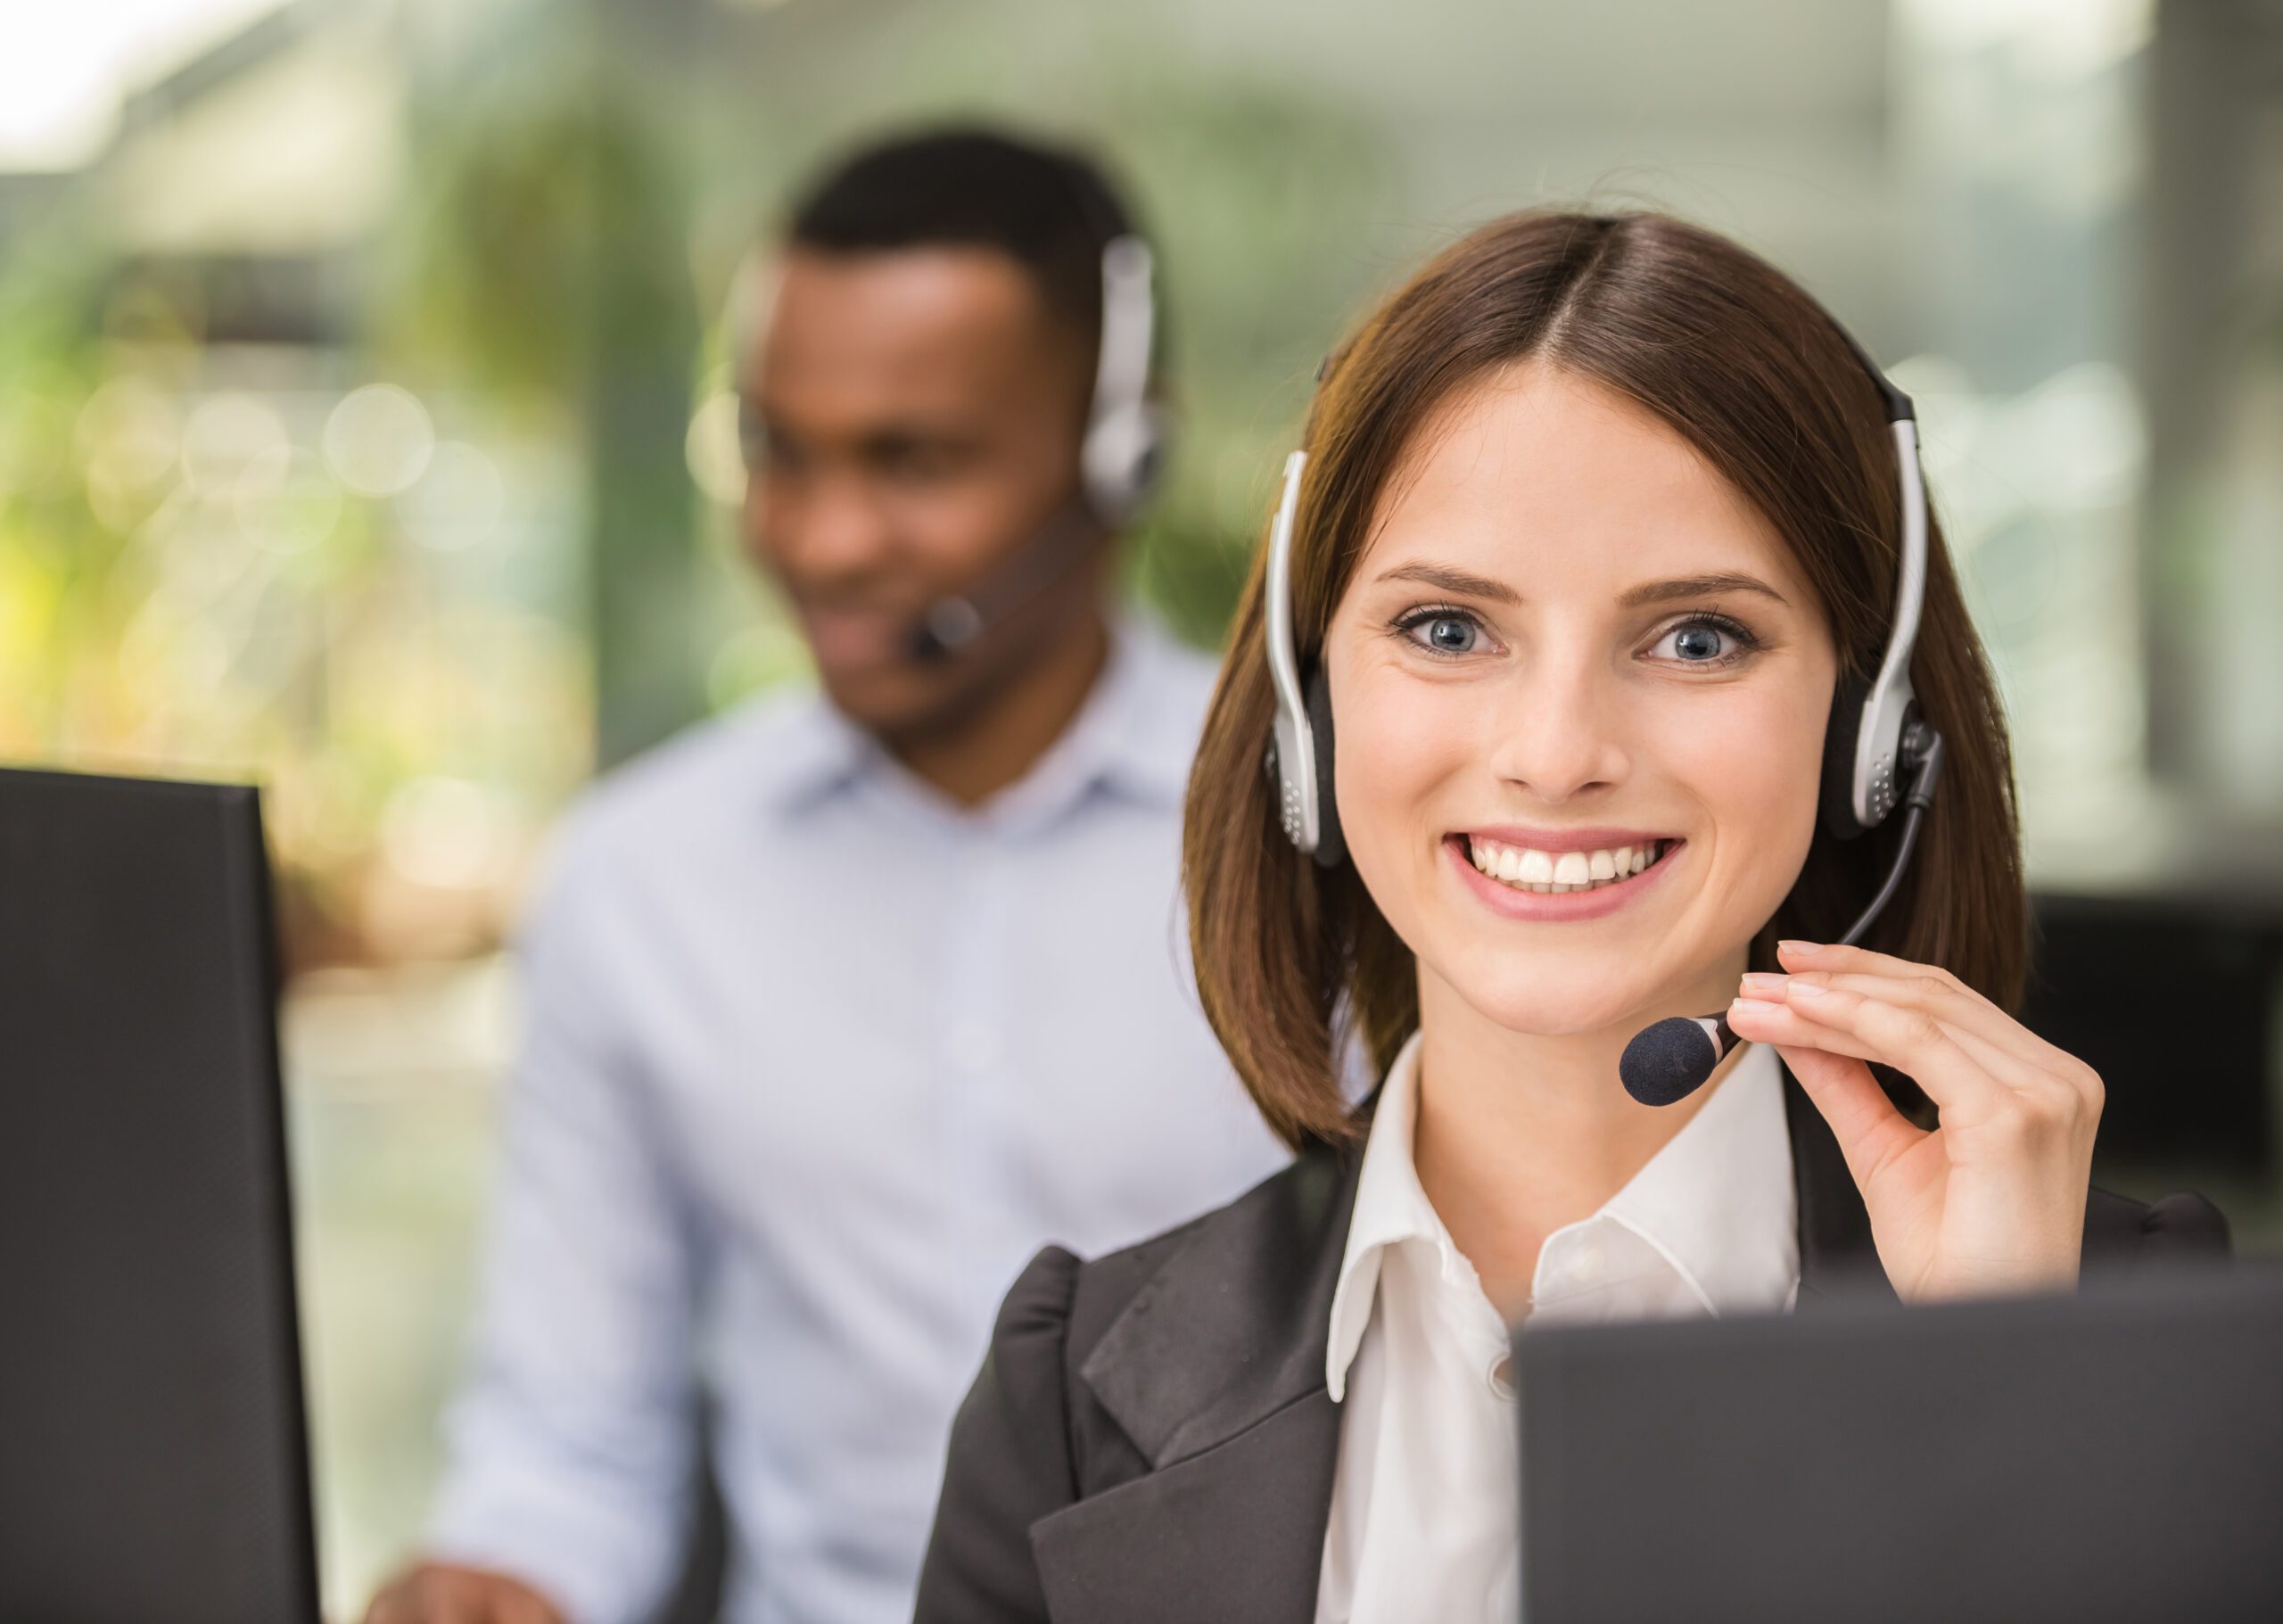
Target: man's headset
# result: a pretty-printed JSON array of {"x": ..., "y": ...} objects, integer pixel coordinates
[
  {"x": 1118, "y": 459},
  {"x": 1875, "y": 738}
]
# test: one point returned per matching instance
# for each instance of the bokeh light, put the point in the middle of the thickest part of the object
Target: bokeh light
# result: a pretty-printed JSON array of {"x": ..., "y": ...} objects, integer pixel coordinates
[{"x": 378, "y": 440}]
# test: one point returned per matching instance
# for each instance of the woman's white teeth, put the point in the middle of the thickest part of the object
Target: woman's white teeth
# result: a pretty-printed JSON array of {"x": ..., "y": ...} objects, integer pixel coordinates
[{"x": 1531, "y": 870}]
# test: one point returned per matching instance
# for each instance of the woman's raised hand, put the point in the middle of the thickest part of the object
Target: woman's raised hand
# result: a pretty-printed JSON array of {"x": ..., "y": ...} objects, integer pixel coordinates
[{"x": 1991, "y": 1201}]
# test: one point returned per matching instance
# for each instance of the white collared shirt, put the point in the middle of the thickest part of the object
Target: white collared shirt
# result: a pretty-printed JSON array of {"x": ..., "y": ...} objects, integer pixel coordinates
[
  {"x": 1425, "y": 1518},
  {"x": 813, "y": 1060}
]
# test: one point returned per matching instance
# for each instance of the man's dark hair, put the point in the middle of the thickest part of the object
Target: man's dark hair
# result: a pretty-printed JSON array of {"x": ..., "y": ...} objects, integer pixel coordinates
[{"x": 1050, "y": 209}]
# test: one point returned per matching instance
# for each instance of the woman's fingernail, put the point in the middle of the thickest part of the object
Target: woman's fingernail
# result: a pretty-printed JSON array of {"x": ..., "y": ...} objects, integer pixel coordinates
[
  {"x": 1759, "y": 981},
  {"x": 1797, "y": 947},
  {"x": 1753, "y": 1006}
]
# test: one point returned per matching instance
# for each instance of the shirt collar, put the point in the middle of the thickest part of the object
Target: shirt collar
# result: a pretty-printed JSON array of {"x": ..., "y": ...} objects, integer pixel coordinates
[
  {"x": 1135, "y": 734},
  {"x": 815, "y": 753},
  {"x": 1717, "y": 1200},
  {"x": 1730, "y": 1162},
  {"x": 1391, "y": 1206}
]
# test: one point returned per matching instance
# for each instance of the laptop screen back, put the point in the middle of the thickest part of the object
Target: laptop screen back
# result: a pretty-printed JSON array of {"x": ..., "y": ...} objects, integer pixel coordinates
[
  {"x": 2117, "y": 1455},
  {"x": 153, "y": 1456}
]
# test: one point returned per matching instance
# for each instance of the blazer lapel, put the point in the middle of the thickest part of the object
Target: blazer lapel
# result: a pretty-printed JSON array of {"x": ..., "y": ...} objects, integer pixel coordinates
[
  {"x": 1214, "y": 1371},
  {"x": 1837, "y": 1257}
]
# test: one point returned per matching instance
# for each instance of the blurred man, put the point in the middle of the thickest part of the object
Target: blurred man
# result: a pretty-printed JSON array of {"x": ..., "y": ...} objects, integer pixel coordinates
[{"x": 839, "y": 1007}]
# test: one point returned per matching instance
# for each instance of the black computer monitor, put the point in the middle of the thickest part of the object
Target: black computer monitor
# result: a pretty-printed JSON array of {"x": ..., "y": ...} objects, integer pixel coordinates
[
  {"x": 2112, "y": 1456},
  {"x": 153, "y": 1458}
]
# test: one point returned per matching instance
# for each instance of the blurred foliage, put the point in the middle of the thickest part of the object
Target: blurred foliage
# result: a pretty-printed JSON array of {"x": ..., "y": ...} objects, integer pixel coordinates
[
  {"x": 1257, "y": 194},
  {"x": 420, "y": 570},
  {"x": 191, "y": 584},
  {"x": 543, "y": 211},
  {"x": 537, "y": 261},
  {"x": 1264, "y": 181}
]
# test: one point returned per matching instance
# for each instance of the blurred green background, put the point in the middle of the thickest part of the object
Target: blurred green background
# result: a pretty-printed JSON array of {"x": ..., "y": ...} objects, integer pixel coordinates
[{"x": 363, "y": 426}]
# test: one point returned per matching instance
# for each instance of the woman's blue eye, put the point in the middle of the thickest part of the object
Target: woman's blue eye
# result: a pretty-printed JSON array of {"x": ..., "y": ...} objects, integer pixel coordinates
[
  {"x": 1451, "y": 636},
  {"x": 1697, "y": 642},
  {"x": 1447, "y": 633},
  {"x": 1705, "y": 642}
]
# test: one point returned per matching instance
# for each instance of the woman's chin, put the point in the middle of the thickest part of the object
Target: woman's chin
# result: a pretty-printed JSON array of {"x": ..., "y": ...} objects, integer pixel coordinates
[
  {"x": 1543, "y": 1013},
  {"x": 1547, "y": 994}
]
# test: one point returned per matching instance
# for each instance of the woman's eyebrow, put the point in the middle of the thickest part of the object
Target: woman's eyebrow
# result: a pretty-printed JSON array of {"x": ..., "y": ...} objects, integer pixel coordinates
[
  {"x": 1696, "y": 586},
  {"x": 1465, "y": 583},
  {"x": 1459, "y": 583}
]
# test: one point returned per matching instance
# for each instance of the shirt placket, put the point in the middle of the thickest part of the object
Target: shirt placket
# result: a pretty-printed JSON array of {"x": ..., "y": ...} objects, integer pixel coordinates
[{"x": 970, "y": 1022}]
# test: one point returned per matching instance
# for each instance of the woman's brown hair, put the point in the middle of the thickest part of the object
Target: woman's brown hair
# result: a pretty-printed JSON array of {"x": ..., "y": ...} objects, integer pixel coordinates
[{"x": 1753, "y": 373}]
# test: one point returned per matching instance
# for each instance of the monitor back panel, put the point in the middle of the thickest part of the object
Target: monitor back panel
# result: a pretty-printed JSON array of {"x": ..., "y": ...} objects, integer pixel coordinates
[
  {"x": 152, "y": 1448},
  {"x": 2112, "y": 1455}
]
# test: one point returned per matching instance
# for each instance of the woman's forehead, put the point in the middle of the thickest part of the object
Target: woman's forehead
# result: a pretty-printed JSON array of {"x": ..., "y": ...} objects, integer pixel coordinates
[{"x": 1534, "y": 469}]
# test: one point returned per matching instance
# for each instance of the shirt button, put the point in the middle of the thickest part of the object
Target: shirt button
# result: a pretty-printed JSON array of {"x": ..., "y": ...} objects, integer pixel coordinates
[{"x": 973, "y": 1048}]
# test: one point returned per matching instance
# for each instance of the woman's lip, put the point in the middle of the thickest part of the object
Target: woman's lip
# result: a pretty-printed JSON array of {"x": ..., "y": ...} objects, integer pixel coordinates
[
  {"x": 1550, "y": 906},
  {"x": 1562, "y": 839}
]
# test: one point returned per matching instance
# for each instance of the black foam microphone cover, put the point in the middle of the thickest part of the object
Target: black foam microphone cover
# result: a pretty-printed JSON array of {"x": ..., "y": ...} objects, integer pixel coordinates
[{"x": 1670, "y": 1060}]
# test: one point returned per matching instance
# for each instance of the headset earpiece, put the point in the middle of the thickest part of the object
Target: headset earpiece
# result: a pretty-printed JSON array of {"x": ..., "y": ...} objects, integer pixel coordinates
[
  {"x": 1119, "y": 459},
  {"x": 1332, "y": 842},
  {"x": 1126, "y": 433},
  {"x": 1871, "y": 741},
  {"x": 1838, "y": 794},
  {"x": 1301, "y": 763},
  {"x": 1300, "y": 766}
]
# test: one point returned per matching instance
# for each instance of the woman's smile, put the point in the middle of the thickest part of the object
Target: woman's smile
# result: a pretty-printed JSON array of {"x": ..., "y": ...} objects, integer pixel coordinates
[{"x": 1557, "y": 877}]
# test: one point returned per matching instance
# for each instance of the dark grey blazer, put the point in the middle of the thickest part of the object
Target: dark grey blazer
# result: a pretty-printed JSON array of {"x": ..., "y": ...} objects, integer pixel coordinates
[{"x": 1150, "y": 1439}]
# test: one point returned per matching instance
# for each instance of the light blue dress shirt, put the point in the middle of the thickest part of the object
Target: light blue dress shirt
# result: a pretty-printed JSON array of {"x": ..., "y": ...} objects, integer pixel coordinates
[{"x": 813, "y": 1061}]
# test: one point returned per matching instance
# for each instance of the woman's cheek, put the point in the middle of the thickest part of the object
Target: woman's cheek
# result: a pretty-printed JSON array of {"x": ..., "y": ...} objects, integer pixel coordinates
[
  {"x": 1397, "y": 744},
  {"x": 1759, "y": 774}
]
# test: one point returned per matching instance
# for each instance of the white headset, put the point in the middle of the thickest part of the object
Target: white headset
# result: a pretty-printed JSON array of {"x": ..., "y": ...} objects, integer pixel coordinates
[
  {"x": 1117, "y": 462},
  {"x": 1124, "y": 448},
  {"x": 1304, "y": 800},
  {"x": 1126, "y": 433}
]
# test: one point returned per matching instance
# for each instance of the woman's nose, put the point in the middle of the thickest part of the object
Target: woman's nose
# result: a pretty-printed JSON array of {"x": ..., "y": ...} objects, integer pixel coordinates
[{"x": 1558, "y": 737}]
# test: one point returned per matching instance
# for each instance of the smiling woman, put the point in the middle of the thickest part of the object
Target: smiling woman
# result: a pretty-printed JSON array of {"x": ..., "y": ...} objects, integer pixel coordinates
[
  {"x": 1639, "y": 644},
  {"x": 1594, "y": 537},
  {"x": 1627, "y": 434}
]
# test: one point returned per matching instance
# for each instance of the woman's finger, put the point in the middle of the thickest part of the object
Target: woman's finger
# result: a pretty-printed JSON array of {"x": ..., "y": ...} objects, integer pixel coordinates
[
  {"x": 1870, "y": 1131},
  {"x": 1923, "y": 989},
  {"x": 1928, "y": 987},
  {"x": 1760, "y": 1021},
  {"x": 1861, "y": 960},
  {"x": 1911, "y": 1041},
  {"x": 2006, "y": 1049}
]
